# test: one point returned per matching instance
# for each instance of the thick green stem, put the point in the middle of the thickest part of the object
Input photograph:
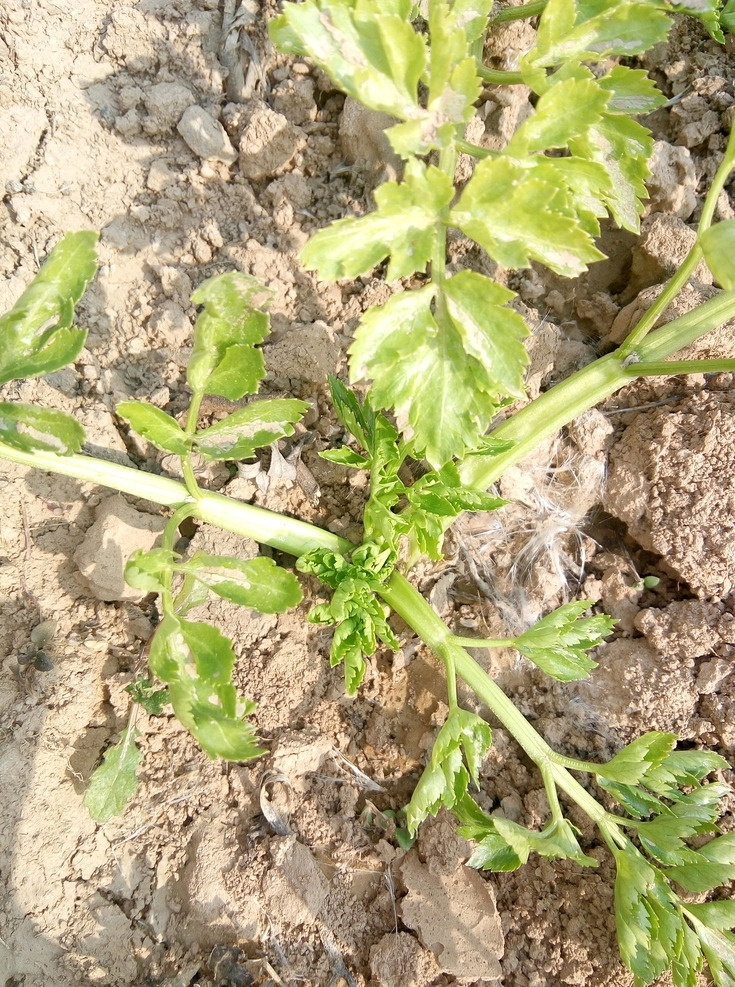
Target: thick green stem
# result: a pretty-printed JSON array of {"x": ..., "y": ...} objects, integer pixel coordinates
[
  {"x": 282, "y": 533},
  {"x": 586, "y": 388}
]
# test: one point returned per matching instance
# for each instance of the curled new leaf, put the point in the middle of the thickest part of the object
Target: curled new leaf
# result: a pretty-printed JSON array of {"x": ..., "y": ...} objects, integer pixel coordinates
[{"x": 456, "y": 758}]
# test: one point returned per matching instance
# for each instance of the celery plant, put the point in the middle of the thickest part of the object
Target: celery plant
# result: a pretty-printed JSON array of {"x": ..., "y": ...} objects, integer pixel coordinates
[{"x": 441, "y": 360}]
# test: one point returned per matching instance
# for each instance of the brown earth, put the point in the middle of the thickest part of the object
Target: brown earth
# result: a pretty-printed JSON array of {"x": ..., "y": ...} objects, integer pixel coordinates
[{"x": 174, "y": 128}]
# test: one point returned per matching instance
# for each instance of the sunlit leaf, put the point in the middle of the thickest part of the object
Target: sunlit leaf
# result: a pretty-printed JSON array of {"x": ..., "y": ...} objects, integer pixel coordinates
[
  {"x": 250, "y": 428},
  {"x": 114, "y": 782},
  {"x": 155, "y": 425},
  {"x": 36, "y": 335},
  {"x": 29, "y": 428}
]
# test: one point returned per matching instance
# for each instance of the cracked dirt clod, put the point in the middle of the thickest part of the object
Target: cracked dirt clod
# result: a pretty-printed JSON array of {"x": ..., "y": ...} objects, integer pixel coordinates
[
  {"x": 117, "y": 532},
  {"x": 676, "y": 505}
]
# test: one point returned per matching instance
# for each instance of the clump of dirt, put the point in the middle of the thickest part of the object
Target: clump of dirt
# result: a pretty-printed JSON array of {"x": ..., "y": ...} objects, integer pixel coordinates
[{"x": 174, "y": 128}]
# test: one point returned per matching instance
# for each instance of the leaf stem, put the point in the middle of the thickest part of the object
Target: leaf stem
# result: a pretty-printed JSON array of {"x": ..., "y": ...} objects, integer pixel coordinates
[
  {"x": 588, "y": 387},
  {"x": 672, "y": 289},
  {"x": 674, "y": 367},
  {"x": 500, "y": 77},
  {"x": 484, "y": 642},
  {"x": 401, "y": 596},
  {"x": 531, "y": 9}
]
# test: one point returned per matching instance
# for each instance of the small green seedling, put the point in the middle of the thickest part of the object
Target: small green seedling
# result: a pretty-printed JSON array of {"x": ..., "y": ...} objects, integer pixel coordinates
[{"x": 442, "y": 356}]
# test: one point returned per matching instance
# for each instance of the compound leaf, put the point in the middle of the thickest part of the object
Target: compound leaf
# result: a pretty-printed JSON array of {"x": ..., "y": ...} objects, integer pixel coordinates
[
  {"x": 368, "y": 48},
  {"x": 558, "y": 643},
  {"x": 36, "y": 335},
  {"x": 423, "y": 371},
  {"x": 155, "y": 425},
  {"x": 113, "y": 783},
  {"x": 28, "y": 428},
  {"x": 517, "y": 211}
]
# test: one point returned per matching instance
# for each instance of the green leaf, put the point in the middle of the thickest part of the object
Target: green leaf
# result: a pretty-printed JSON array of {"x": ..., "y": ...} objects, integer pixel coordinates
[
  {"x": 629, "y": 766},
  {"x": 568, "y": 109},
  {"x": 623, "y": 147},
  {"x": 518, "y": 212},
  {"x": 224, "y": 359},
  {"x": 114, "y": 782},
  {"x": 557, "y": 841},
  {"x": 713, "y": 865},
  {"x": 345, "y": 457},
  {"x": 636, "y": 884},
  {"x": 156, "y": 426},
  {"x": 196, "y": 660},
  {"x": 401, "y": 346},
  {"x": 663, "y": 839},
  {"x": 558, "y": 643},
  {"x": 727, "y": 16},
  {"x": 36, "y": 335},
  {"x": 244, "y": 431},
  {"x": 707, "y": 11},
  {"x": 637, "y": 802},
  {"x": 631, "y": 91},
  {"x": 456, "y": 758},
  {"x": 256, "y": 583},
  {"x": 494, "y": 854},
  {"x": 719, "y": 951},
  {"x": 148, "y": 570},
  {"x": 403, "y": 227},
  {"x": 28, "y": 428},
  {"x": 503, "y": 845},
  {"x": 682, "y": 768},
  {"x": 367, "y": 47},
  {"x": 586, "y": 31},
  {"x": 145, "y": 693},
  {"x": 718, "y": 246},
  {"x": 490, "y": 332},
  {"x": 718, "y": 915}
]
